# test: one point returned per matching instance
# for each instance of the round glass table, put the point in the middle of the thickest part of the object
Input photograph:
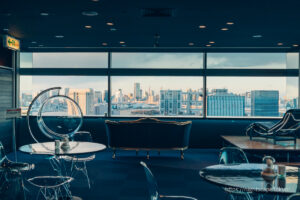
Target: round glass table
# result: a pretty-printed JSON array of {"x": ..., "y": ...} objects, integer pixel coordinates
[
  {"x": 247, "y": 178},
  {"x": 48, "y": 148}
]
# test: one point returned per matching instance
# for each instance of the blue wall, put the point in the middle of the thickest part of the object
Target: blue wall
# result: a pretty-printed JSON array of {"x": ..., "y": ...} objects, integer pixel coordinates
[{"x": 205, "y": 133}]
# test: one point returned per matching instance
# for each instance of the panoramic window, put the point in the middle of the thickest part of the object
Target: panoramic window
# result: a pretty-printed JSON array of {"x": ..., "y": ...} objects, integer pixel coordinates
[
  {"x": 251, "y": 96},
  {"x": 89, "y": 92},
  {"x": 252, "y": 60},
  {"x": 64, "y": 60},
  {"x": 156, "y": 96},
  {"x": 158, "y": 60}
]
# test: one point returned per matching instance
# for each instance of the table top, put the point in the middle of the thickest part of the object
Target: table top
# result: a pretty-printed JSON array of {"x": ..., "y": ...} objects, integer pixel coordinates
[
  {"x": 257, "y": 143},
  {"x": 48, "y": 148},
  {"x": 247, "y": 178}
]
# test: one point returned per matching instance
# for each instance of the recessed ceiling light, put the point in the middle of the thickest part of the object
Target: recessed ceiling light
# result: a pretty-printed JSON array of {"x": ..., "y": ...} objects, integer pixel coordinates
[
  {"x": 257, "y": 36},
  {"x": 123, "y": 45},
  {"x": 59, "y": 36},
  {"x": 229, "y": 23},
  {"x": 202, "y": 26},
  {"x": 95, "y": 0},
  {"x": 208, "y": 45},
  {"x": 211, "y": 42},
  {"x": 279, "y": 43},
  {"x": 5, "y": 29},
  {"x": 41, "y": 45},
  {"x": 104, "y": 43},
  {"x": 109, "y": 23},
  {"x": 112, "y": 29},
  {"x": 122, "y": 42},
  {"x": 33, "y": 42},
  {"x": 224, "y": 29},
  {"x": 89, "y": 13},
  {"x": 88, "y": 26},
  {"x": 191, "y": 44},
  {"x": 295, "y": 45},
  {"x": 44, "y": 14}
]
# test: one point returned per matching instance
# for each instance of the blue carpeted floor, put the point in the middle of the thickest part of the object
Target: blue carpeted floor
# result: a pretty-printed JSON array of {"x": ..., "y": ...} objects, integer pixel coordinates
[{"x": 124, "y": 178}]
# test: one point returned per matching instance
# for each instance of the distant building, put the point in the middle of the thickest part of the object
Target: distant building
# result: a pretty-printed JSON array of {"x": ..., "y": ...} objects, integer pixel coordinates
[
  {"x": 26, "y": 99},
  {"x": 265, "y": 103},
  {"x": 84, "y": 98},
  {"x": 222, "y": 103},
  {"x": 137, "y": 91},
  {"x": 170, "y": 102},
  {"x": 98, "y": 97},
  {"x": 105, "y": 98},
  {"x": 101, "y": 108},
  {"x": 192, "y": 102}
]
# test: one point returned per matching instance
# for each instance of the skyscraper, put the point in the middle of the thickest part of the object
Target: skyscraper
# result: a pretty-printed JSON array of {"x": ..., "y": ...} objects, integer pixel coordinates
[
  {"x": 137, "y": 91},
  {"x": 170, "y": 102},
  {"x": 265, "y": 103},
  {"x": 222, "y": 103},
  {"x": 98, "y": 97},
  {"x": 105, "y": 98},
  {"x": 84, "y": 98}
]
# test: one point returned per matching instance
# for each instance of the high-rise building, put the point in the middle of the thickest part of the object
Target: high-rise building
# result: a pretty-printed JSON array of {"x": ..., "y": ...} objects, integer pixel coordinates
[
  {"x": 170, "y": 102},
  {"x": 98, "y": 97},
  {"x": 191, "y": 102},
  {"x": 265, "y": 103},
  {"x": 137, "y": 94},
  {"x": 222, "y": 103},
  {"x": 84, "y": 98},
  {"x": 105, "y": 98}
]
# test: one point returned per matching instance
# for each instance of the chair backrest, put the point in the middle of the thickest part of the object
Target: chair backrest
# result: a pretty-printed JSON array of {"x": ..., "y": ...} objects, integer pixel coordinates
[
  {"x": 83, "y": 136},
  {"x": 152, "y": 185},
  {"x": 294, "y": 197},
  {"x": 2, "y": 154},
  {"x": 232, "y": 155}
]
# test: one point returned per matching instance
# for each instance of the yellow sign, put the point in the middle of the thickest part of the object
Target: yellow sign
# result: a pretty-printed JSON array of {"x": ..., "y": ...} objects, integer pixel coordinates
[{"x": 11, "y": 43}]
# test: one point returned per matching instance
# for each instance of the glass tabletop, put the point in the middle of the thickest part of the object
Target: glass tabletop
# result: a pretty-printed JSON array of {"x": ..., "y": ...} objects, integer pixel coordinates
[
  {"x": 48, "y": 148},
  {"x": 247, "y": 177}
]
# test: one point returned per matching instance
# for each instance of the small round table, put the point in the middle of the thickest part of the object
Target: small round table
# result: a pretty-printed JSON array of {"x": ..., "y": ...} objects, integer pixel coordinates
[
  {"x": 48, "y": 148},
  {"x": 247, "y": 178}
]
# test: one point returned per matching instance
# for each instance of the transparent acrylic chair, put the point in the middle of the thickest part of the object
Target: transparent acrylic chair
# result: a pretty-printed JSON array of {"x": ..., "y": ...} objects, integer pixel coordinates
[
  {"x": 52, "y": 187},
  {"x": 234, "y": 155},
  {"x": 12, "y": 171},
  {"x": 78, "y": 162},
  {"x": 153, "y": 188}
]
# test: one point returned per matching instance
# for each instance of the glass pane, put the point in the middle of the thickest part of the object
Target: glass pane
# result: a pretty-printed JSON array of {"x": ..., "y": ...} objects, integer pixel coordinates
[
  {"x": 64, "y": 60},
  {"x": 157, "y": 60},
  {"x": 89, "y": 92},
  {"x": 251, "y": 96},
  {"x": 251, "y": 60},
  {"x": 157, "y": 96}
]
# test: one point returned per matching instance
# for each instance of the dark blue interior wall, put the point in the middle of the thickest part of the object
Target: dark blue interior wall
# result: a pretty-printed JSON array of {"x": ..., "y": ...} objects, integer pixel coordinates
[{"x": 205, "y": 133}]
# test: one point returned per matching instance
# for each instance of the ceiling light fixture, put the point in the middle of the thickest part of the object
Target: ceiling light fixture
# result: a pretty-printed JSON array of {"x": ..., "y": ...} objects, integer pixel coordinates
[
  {"x": 88, "y": 26},
  {"x": 202, "y": 26},
  {"x": 89, "y": 13},
  {"x": 104, "y": 44},
  {"x": 112, "y": 29},
  {"x": 59, "y": 36},
  {"x": 295, "y": 45},
  {"x": 122, "y": 42},
  {"x": 229, "y": 23},
  {"x": 95, "y": 0},
  {"x": 44, "y": 14},
  {"x": 257, "y": 36},
  {"x": 33, "y": 42},
  {"x": 191, "y": 44},
  {"x": 279, "y": 43},
  {"x": 224, "y": 29},
  {"x": 211, "y": 42},
  {"x": 41, "y": 45},
  {"x": 109, "y": 23},
  {"x": 208, "y": 45},
  {"x": 5, "y": 29}
]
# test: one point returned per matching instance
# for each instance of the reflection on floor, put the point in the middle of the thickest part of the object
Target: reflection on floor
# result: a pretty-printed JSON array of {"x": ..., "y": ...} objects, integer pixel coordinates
[{"x": 124, "y": 178}]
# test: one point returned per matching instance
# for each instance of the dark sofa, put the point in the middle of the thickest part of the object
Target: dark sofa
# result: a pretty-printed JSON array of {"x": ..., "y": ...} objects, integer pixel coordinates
[{"x": 148, "y": 134}]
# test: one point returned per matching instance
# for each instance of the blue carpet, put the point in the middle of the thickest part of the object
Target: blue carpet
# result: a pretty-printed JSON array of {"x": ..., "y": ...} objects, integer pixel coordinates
[{"x": 124, "y": 178}]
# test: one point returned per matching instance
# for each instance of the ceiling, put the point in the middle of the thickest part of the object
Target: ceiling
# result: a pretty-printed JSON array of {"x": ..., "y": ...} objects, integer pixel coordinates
[{"x": 59, "y": 24}]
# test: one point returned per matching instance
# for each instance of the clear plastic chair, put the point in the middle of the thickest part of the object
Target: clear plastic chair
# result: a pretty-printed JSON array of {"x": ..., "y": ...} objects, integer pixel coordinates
[
  {"x": 234, "y": 155},
  {"x": 78, "y": 163},
  {"x": 153, "y": 188},
  {"x": 51, "y": 186},
  {"x": 294, "y": 197}
]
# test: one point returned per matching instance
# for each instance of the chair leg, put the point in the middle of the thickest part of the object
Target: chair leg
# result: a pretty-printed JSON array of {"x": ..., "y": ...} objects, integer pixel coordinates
[
  {"x": 148, "y": 155},
  {"x": 114, "y": 154},
  {"x": 85, "y": 172},
  {"x": 181, "y": 154}
]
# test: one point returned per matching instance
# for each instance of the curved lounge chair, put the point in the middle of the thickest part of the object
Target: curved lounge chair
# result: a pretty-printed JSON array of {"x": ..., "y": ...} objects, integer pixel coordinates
[{"x": 284, "y": 130}]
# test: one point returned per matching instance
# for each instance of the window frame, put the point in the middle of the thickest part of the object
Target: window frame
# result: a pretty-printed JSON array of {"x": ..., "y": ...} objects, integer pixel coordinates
[{"x": 203, "y": 72}]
